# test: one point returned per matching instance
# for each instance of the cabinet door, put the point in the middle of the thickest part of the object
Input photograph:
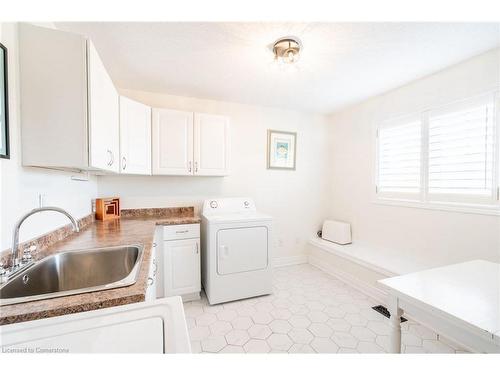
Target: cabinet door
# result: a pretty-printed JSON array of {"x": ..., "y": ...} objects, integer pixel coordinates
[
  {"x": 104, "y": 125},
  {"x": 135, "y": 137},
  {"x": 181, "y": 267},
  {"x": 172, "y": 142},
  {"x": 211, "y": 145},
  {"x": 53, "y": 93}
]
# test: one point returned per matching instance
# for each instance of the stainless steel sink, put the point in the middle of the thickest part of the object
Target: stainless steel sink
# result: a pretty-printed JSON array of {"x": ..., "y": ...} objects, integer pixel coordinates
[{"x": 74, "y": 272}]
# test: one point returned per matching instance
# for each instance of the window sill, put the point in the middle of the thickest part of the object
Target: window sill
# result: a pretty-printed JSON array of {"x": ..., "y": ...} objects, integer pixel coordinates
[{"x": 480, "y": 209}]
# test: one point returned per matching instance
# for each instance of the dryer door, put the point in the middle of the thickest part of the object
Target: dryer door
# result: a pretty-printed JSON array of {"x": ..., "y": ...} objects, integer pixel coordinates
[{"x": 242, "y": 249}]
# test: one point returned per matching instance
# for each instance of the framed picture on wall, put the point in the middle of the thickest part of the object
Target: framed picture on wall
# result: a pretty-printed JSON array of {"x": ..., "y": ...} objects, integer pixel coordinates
[
  {"x": 281, "y": 149},
  {"x": 4, "y": 105}
]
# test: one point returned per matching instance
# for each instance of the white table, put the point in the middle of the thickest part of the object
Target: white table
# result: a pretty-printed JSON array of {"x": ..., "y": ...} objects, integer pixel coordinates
[{"x": 461, "y": 302}]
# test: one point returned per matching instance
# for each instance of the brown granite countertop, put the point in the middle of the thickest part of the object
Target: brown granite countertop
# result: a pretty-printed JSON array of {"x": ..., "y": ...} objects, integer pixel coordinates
[{"x": 134, "y": 227}]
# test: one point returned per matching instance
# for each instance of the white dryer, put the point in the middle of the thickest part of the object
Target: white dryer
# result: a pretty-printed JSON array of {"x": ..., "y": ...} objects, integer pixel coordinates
[{"x": 236, "y": 250}]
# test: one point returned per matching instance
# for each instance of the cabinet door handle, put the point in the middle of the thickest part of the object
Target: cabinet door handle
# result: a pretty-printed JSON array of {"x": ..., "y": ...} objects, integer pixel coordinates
[
  {"x": 190, "y": 166},
  {"x": 150, "y": 281},
  {"x": 195, "y": 166},
  {"x": 112, "y": 158},
  {"x": 181, "y": 231},
  {"x": 197, "y": 249},
  {"x": 124, "y": 162},
  {"x": 110, "y": 154}
]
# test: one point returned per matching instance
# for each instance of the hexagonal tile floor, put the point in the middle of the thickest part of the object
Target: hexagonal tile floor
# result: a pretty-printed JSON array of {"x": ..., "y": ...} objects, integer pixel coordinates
[{"x": 309, "y": 312}]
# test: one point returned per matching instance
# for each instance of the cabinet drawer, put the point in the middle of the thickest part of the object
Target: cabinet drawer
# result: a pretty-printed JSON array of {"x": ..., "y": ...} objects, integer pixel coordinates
[{"x": 179, "y": 232}]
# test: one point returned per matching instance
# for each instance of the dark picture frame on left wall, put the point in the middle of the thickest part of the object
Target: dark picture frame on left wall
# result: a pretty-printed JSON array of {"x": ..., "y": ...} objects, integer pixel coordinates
[{"x": 4, "y": 105}]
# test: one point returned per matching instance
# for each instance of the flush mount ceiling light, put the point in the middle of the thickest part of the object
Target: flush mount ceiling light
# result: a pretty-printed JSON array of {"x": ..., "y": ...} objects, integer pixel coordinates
[{"x": 287, "y": 50}]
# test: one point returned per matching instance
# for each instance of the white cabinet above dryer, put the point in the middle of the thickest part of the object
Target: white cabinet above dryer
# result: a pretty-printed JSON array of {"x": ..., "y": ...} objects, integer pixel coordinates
[
  {"x": 187, "y": 143},
  {"x": 211, "y": 145},
  {"x": 69, "y": 105},
  {"x": 172, "y": 142}
]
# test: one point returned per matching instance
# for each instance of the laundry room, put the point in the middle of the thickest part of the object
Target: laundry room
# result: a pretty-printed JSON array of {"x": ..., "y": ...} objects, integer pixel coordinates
[{"x": 233, "y": 186}]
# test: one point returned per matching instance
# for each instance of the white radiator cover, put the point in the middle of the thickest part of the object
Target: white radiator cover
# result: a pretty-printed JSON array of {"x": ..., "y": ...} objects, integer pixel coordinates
[{"x": 336, "y": 231}]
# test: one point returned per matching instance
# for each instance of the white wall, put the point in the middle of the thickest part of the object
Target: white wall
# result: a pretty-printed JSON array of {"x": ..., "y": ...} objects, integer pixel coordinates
[
  {"x": 20, "y": 186},
  {"x": 296, "y": 199},
  {"x": 425, "y": 236}
]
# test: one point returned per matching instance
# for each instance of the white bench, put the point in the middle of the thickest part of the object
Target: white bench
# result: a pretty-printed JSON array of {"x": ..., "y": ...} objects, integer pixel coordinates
[{"x": 360, "y": 265}]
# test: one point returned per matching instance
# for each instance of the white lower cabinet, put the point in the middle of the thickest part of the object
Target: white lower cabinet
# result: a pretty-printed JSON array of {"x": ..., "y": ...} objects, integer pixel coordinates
[
  {"x": 182, "y": 263},
  {"x": 181, "y": 272}
]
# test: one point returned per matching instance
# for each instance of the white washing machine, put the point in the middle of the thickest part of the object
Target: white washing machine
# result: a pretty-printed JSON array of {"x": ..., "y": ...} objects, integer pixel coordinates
[{"x": 236, "y": 250}]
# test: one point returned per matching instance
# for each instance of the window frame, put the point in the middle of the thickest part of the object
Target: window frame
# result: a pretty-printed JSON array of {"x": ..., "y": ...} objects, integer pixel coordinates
[{"x": 489, "y": 205}]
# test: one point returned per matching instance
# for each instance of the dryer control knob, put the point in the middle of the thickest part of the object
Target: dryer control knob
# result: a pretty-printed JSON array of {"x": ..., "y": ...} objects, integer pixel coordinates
[{"x": 213, "y": 204}]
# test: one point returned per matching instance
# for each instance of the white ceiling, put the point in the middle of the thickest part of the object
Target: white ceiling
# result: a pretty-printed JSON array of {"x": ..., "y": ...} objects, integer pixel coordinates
[{"x": 342, "y": 63}]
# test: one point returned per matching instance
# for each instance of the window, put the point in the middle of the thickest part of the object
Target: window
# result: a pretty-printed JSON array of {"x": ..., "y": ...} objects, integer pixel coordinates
[
  {"x": 461, "y": 152},
  {"x": 399, "y": 147},
  {"x": 446, "y": 156}
]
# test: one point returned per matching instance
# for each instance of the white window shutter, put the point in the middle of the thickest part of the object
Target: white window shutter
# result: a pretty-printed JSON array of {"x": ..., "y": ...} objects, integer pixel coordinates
[
  {"x": 461, "y": 151},
  {"x": 399, "y": 159}
]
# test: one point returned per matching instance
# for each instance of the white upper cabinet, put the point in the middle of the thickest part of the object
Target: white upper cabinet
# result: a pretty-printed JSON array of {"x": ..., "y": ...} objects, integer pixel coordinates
[
  {"x": 69, "y": 106},
  {"x": 172, "y": 142},
  {"x": 72, "y": 117},
  {"x": 104, "y": 120},
  {"x": 190, "y": 144},
  {"x": 135, "y": 137},
  {"x": 211, "y": 145}
]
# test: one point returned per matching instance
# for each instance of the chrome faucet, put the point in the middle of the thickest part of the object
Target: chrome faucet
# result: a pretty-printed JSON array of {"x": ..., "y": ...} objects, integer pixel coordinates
[{"x": 15, "y": 237}]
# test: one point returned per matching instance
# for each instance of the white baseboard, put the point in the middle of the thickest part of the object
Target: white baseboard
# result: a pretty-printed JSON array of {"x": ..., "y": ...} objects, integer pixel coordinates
[
  {"x": 365, "y": 288},
  {"x": 289, "y": 261}
]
